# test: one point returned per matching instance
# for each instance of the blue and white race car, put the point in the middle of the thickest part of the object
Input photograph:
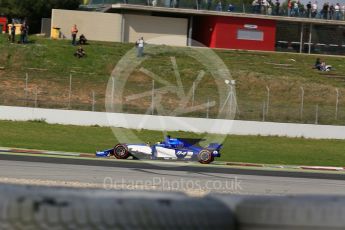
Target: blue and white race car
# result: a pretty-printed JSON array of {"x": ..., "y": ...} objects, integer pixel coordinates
[{"x": 169, "y": 149}]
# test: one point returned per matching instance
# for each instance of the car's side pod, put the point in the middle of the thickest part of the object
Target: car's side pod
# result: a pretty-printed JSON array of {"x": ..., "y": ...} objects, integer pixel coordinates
[{"x": 214, "y": 146}]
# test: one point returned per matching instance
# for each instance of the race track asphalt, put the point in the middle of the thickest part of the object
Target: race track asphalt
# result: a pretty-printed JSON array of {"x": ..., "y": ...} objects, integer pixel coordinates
[{"x": 194, "y": 179}]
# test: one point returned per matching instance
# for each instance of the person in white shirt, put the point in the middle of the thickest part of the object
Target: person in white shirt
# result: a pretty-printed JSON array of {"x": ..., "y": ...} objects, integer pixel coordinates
[
  {"x": 343, "y": 11},
  {"x": 337, "y": 11},
  {"x": 140, "y": 47},
  {"x": 314, "y": 9}
]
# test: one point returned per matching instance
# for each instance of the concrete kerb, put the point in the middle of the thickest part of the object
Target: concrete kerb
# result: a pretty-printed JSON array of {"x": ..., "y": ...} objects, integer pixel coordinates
[{"x": 35, "y": 151}]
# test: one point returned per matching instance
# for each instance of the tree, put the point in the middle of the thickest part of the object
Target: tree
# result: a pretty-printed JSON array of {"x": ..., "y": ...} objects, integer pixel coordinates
[{"x": 34, "y": 10}]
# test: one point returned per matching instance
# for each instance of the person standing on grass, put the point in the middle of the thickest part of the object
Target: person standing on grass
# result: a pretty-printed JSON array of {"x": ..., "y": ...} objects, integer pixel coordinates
[
  {"x": 23, "y": 33},
  {"x": 26, "y": 35},
  {"x": 13, "y": 33},
  {"x": 74, "y": 32},
  {"x": 140, "y": 47}
]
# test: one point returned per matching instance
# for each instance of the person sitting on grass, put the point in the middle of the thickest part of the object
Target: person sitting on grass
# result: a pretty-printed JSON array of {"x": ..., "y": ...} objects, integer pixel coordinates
[
  {"x": 82, "y": 40},
  {"x": 317, "y": 63},
  {"x": 79, "y": 53},
  {"x": 321, "y": 65}
]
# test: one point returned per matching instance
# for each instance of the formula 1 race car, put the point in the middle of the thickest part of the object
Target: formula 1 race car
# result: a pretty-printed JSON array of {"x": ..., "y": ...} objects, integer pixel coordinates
[{"x": 170, "y": 149}]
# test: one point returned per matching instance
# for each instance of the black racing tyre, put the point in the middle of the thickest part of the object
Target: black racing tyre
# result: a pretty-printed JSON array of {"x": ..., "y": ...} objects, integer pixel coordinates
[
  {"x": 205, "y": 156},
  {"x": 121, "y": 151}
]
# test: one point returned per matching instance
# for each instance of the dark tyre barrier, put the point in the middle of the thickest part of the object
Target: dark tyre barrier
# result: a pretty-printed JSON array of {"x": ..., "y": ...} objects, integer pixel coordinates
[
  {"x": 288, "y": 213},
  {"x": 35, "y": 208}
]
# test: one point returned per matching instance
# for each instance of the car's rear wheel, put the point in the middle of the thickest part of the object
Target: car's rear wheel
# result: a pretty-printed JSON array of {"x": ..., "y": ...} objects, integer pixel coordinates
[
  {"x": 121, "y": 152},
  {"x": 205, "y": 156}
]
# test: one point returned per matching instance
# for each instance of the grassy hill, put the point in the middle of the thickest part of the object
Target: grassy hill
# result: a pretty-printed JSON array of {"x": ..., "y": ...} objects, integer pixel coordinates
[{"x": 49, "y": 65}]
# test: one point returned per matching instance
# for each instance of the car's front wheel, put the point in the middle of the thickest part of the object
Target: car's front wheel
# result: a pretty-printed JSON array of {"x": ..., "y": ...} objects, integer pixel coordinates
[
  {"x": 121, "y": 152},
  {"x": 205, "y": 156}
]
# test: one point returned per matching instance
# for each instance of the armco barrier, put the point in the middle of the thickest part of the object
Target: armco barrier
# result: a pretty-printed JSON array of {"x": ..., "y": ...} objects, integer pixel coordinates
[
  {"x": 167, "y": 123},
  {"x": 34, "y": 208}
]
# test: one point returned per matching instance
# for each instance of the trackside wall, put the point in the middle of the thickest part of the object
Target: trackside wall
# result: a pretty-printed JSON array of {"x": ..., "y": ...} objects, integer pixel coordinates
[{"x": 166, "y": 123}]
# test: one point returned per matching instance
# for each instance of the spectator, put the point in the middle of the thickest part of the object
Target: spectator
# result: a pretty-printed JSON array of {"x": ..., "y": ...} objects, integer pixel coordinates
[
  {"x": 289, "y": 5},
  {"x": 309, "y": 9},
  {"x": 79, "y": 53},
  {"x": 324, "y": 67},
  {"x": 314, "y": 9},
  {"x": 325, "y": 11},
  {"x": 82, "y": 40},
  {"x": 317, "y": 63},
  {"x": 231, "y": 8},
  {"x": 23, "y": 33},
  {"x": 154, "y": 3},
  {"x": 301, "y": 9},
  {"x": 219, "y": 6},
  {"x": 343, "y": 11},
  {"x": 321, "y": 65},
  {"x": 255, "y": 5},
  {"x": 296, "y": 9},
  {"x": 140, "y": 47},
  {"x": 74, "y": 32},
  {"x": 263, "y": 6},
  {"x": 209, "y": 4},
  {"x": 331, "y": 12},
  {"x": 269, "y": 7},
  {"x": 337, "y": 11},
  {"x": 277, "y": 7},
  {"x": 13, "y": 33}
]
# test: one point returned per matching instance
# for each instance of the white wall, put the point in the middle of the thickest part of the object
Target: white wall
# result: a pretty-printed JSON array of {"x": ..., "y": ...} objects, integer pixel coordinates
[
  {"x": 200, "y": 125},
  {"x": 94, "y": 25},
  {"x": 122, "y": 27},
  {"x": 156, "y": 30}
]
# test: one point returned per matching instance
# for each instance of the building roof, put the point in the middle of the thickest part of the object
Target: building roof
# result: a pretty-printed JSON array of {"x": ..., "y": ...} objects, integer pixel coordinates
[{"x": 193, "y": 12}]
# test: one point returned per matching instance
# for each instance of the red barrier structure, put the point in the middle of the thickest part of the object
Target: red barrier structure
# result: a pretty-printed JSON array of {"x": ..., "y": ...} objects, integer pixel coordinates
[
  {"x": 3, "y": 24},
  {"x": 235, "y": 32}
]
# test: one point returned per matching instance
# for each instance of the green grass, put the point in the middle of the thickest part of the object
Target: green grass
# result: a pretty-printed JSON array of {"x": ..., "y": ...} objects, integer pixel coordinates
[
  {"x": 50, "y": 63},
  {"x": 254, "y": 149}
]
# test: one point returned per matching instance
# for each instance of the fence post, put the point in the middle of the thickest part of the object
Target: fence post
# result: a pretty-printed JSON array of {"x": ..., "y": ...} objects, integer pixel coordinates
[
  {"x": 70, "y": 91},
  {"x": 263, "y": 111},
  {"x": 26, "y": 88},
  {"x": 268, "y": 99},
  {"x": 112, "y": 94},
  {"x": 336, "y": 104},
  {"x": 93, "y": 100},
  {"x": 317, "y": 114},
  {"x": 193, "y": 93},
  {"x": 207, "y": 109},
  {"x": 36, "y": 97},
  {"x": 152, "y": 99},
  {"x": 302, "y": 104}
]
